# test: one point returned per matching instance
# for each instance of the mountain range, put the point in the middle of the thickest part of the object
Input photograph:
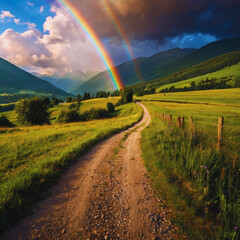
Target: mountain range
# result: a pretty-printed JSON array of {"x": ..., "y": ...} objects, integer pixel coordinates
[
  {"x": 160, "y": 65},
  {"x": 155, "y": 69},
  {"x": 68, "y": 81},
  {"x": 16, "y": 80}
]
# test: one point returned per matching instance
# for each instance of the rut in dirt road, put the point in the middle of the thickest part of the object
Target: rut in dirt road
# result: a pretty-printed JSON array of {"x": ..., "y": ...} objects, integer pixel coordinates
[{"x": 106, "y": 195}]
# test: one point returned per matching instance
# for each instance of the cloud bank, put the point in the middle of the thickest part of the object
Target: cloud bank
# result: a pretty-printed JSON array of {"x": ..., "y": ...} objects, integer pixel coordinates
[
  {"x": 161, "y": 19},
  {"x": 63, "y": 47}
]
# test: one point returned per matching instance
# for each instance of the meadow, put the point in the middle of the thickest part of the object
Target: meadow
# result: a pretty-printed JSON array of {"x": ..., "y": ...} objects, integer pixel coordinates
[
  {"x": 196, "y": 179},
  {"x": 32, "y": 157},
  {"x": 220, "y": 97},
  {"x": 228, "y": 73},
  {"x": 85, "y": 106}
]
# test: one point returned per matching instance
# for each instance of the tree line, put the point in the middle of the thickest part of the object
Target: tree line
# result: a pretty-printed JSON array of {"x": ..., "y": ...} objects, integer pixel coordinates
[{"x": 35, "y": 110}]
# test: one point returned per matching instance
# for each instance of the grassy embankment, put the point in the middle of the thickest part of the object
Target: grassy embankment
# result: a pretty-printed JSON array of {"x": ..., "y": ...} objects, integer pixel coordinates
[
  {"x": 228, "y": 74},
  {"x": 32, "y": 157},
  {"x": 200, "y": 182}
]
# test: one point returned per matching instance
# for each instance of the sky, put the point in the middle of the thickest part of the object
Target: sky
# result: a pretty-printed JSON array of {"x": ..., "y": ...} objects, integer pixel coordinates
[{"x": 42, "y": 36}]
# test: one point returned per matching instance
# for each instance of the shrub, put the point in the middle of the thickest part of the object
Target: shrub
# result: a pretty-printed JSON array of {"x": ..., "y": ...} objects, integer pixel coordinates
[
  {"x": 99, "y": 113},
  {"x": 4, "y": 122},
  {"x": 73, "y": 105},
  {"x": 67, "y": 116},
  {"x": 237, "y": 82},
  {"x": 110, "y": 107},
  {"x": 32, "y": 111}
]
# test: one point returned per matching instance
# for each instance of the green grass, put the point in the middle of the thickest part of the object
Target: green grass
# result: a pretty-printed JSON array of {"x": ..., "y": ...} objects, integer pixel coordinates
[
  {"x": 206, "y": 204},
  {"x": 228, "y": 73},
  {"x": 219, "y": 97},
  {"x": 32, "y": 157},
  {"x": 85, "y": 106}
]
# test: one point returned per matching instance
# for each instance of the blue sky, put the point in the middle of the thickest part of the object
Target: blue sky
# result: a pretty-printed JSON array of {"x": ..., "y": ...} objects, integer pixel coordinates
[{"x": 23, "y": 10}]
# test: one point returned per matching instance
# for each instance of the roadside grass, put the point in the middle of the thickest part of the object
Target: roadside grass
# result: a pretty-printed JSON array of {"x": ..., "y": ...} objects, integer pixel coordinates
[
  {"x": 198, "y": 181},
  {"x": 228, "y": 73},
  {"x": 33, "y": 157},
  {"x": 221, "y": 97}
]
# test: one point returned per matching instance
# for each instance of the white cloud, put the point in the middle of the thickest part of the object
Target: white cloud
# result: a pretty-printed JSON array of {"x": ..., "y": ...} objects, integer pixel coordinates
[
  {"x": 6, "y": 14},
  {"x": 41, "y": 8},
  {"x": 62, "y": 48},
  {"x": 30, "y": 25},
  {"x": 30, "y": 4},
  {"x": 17, "y": 20}
]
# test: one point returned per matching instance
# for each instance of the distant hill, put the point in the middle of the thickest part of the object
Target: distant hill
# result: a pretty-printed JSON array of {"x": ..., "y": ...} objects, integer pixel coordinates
[
  {"x": 205, "y": 53},
  {"x": 228, "y": 74},
  {"x": 161, "y": 65},
  {"x": 69, "y": 81},
  {"x": 15, "y": 80},
  {"x": 225, "y": 66},
  {"x": 151, "y": 67}
]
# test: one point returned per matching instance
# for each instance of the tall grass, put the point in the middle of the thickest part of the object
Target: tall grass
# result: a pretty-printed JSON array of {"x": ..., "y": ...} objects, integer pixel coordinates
[
  {"x": 32, "y": 157},
  {"x": 203, "y": 182}
]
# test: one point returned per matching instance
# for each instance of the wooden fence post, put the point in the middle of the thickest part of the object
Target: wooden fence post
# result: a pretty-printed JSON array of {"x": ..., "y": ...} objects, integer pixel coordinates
[
  {"x": 179, "y": 121},
  {"x": 220, "y": 131},
  {"x": 192, "y": 126},
  {"x": 182, "y": 122}
]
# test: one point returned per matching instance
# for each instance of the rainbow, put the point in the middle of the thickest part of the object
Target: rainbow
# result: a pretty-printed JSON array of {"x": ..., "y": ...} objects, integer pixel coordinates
[
  {"x": 122, "y": 33},
  {"x": 118, "y": 83}
]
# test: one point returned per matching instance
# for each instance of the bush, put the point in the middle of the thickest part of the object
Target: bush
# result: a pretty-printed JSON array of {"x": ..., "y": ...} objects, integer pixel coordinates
[
  {"x": 32, "y": 111},
  {"x": 237, "y": 82},
  {"x": 110, "y": 107},
  {"x": 99, "y": 113},
  {"x": 73, "y": 105},
  {"x": 67, "y": 116},
  {"x": 4, "y": 122}
]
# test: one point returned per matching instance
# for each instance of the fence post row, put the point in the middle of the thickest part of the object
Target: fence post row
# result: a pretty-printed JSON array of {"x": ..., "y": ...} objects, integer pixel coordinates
[{"x": 180, "y": 123}]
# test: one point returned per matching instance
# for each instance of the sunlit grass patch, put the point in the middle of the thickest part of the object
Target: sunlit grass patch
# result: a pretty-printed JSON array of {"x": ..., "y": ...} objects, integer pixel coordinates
[
  {"x": 198, "y": 180},
  {"x": 32, "y": 157}
]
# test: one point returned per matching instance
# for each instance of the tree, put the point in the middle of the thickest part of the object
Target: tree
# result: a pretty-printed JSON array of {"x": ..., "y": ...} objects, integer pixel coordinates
[
  {"x": 193, "y": 85},
  {"x": 127, "y": 96},
  {"x": 79, "y": 99},
  {"x": 4, "y": 122},
  {"x": 46, "y": 101},
  {"x": 55, "y": 101},
  {"x": 68, "y": 99},
  {"x": 32, "y": 111},
  {"x": 86, "y": 96},
  {"x": 110, "y": 107}
]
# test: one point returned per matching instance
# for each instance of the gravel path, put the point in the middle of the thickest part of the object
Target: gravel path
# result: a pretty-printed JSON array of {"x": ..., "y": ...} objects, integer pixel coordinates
[{"x": 106, "y": 195}]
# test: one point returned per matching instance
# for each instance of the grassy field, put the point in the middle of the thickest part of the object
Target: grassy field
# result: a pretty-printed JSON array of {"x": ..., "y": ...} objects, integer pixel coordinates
[
  {"x": 32, "y": 157},
  {"x": 200, "y": 182},
  {"x": 229, "y": 73},
  {"x": 220, "y": 97},
  {"x": 86, "y": 105}
]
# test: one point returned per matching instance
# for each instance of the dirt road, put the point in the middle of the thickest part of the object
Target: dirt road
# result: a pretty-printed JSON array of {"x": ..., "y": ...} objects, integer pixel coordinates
[{"x": 106, "y": 195}]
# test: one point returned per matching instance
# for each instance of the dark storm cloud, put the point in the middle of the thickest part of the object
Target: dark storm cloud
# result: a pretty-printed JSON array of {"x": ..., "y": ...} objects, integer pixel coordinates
[{"x": 161, "y": 19}]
